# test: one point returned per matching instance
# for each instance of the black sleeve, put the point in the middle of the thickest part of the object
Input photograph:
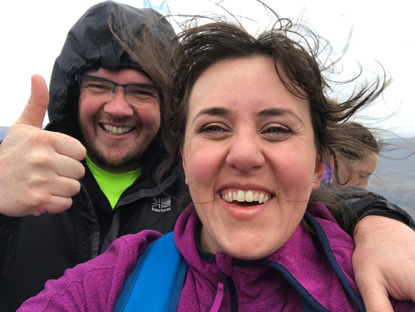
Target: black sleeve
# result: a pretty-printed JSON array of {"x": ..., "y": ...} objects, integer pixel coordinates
[
  {"x": 7, "y": 227},
  {"x": 365, "y": 203}
]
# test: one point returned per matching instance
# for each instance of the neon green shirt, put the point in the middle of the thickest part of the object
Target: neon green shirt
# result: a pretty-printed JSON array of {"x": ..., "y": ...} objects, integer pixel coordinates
[{"x": 112, "y": 184}]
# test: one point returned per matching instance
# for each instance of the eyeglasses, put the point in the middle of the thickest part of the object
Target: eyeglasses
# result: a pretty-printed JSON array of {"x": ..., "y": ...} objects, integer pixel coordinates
[{"x": 105, "y": 89}]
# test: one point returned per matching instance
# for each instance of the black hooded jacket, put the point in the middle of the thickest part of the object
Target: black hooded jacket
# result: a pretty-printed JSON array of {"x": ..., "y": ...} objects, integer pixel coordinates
[{"x": 35, "y": 249}]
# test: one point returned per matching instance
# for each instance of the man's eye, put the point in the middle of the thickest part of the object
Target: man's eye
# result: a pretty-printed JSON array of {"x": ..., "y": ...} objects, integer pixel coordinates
[
  {"x": 141, "y": 93},
  {"x": 97, "y": 87}
]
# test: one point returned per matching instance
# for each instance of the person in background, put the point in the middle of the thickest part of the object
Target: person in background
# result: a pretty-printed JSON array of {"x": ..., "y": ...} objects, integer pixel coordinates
[
  {"x": 249, "y": 119},
  {"x": 59, "y": 209},
  {"x": 351, "y": 166}
]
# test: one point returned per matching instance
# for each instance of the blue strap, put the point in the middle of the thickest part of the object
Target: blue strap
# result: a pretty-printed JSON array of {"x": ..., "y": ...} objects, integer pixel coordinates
[{"x": 157, "y": 279}]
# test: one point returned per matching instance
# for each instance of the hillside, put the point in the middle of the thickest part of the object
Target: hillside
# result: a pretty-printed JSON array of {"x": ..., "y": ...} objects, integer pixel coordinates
[
  {"x": 3, "y": 131},
  {"x": 394, "y": 177}
]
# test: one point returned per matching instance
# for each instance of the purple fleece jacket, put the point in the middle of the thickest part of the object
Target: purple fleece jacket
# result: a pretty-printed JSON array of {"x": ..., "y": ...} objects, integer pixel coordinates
[{"x": 96, "y": 284}]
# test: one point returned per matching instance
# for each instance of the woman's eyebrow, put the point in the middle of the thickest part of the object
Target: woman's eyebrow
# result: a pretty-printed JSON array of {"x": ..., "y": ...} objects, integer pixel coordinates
[
  {"x": 279, "y": 112},
  {"x": 212, "y": 111}
]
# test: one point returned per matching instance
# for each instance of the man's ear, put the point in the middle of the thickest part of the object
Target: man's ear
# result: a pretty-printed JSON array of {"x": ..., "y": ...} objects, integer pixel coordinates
[
  {"x": 318, "y": 172},
  {"x": 184, "y": 165}
]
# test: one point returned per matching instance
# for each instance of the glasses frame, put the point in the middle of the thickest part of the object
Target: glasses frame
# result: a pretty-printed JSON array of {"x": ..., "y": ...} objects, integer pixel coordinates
[{"x": 78, "y": 78}]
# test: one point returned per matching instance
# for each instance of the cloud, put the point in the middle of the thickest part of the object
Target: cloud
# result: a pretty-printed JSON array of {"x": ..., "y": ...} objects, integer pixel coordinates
[{"x": 382, "y": 30}]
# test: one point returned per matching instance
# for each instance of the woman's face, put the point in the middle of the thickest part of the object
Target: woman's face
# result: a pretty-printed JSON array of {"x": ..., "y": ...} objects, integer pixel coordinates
[
  {"x": 360, "y": 171},
  {"x": 249, "y": 157}
]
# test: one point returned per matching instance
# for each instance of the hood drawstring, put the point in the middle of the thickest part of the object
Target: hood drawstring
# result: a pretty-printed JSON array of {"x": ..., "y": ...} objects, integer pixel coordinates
[{"x": 220, "y": 293}]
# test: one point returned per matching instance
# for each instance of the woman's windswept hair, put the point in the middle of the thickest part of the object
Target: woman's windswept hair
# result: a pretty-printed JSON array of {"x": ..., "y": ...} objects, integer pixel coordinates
[{"x": 149, "y": 43}]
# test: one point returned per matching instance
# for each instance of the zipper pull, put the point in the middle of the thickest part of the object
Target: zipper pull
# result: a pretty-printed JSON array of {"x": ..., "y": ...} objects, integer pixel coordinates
[{"x": 220, "y": 293}]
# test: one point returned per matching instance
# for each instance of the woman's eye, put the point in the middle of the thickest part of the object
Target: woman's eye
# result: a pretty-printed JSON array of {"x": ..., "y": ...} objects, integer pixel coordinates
[
  {"x": 276, "y": 132},
  {"x": 212, "y": 129},
  {"x": 277, "y": 129},
  {"x": 215, "y": 132},
  {"x": 364, "y": 175}
]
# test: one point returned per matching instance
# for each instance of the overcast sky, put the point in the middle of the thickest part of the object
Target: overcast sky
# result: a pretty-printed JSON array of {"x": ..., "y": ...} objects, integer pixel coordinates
[{"x": 33, "y": 31}]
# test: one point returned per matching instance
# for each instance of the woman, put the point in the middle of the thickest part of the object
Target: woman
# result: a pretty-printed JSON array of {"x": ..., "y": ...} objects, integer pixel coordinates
[
  {"x": 349, "y": 165},
  {"x": 250, "y": 121}
]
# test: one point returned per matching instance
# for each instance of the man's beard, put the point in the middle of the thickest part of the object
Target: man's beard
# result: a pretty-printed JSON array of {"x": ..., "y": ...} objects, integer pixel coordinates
[{"x": 129, "y": 162}]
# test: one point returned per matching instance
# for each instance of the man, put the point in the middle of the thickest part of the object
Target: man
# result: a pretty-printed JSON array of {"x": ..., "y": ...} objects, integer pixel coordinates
[
  {"x": 105, "y": 105},
  {"x": 118, "y": 192}
]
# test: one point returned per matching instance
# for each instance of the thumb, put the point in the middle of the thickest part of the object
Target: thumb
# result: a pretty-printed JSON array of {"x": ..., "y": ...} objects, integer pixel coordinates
[{"x": 35, "y": 109}]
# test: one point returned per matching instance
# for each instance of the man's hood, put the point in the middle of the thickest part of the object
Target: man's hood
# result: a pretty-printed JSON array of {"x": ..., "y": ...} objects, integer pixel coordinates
[{"x": 90, "y": 45}]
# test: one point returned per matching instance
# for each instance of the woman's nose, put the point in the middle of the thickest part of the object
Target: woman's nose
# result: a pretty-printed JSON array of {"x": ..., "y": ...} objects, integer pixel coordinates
[{"x": 245, "y": 153}]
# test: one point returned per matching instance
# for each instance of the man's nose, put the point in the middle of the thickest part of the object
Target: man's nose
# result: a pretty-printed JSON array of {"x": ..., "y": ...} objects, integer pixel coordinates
[{"x": 118, "y": 104}]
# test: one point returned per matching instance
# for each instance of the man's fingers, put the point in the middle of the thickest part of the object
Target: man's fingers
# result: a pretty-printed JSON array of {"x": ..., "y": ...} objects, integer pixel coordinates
[
  {"x": 374, "y": 295},
  {"x": 67, "y": 166},
  {"x": 64, "y": 187},
  {"x": 35, "y": 109},
  {"x": 68, "y": 146},
  {"x": 56, "y": 204},
  {"x": 377, "y": 302}
]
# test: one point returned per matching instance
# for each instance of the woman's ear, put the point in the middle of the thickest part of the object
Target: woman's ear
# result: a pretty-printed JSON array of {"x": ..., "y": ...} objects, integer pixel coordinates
[
  {"x": 318, "y": 172},
  {"x": 184, "y": 165}
]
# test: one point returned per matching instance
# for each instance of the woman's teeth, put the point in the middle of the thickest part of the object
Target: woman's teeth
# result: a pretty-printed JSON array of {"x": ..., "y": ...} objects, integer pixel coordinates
[{"x": 246, "y": 196}]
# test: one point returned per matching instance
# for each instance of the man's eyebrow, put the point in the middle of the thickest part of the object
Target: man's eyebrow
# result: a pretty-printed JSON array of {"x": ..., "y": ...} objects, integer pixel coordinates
[
  {"x": 213, "y": 111},
  {"x": 278, "y": 112}
]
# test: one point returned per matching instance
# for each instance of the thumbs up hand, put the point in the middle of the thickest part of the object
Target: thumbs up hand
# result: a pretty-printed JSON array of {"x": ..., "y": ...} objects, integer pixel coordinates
[{"x": 39, "y": 169}]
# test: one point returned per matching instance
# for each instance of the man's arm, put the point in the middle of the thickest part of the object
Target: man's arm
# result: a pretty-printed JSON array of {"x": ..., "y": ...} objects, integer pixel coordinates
[
  {"x": 365, "y": 203},
  {"x": 384, "y": 261},
  {"x": 384, "y": 258}
]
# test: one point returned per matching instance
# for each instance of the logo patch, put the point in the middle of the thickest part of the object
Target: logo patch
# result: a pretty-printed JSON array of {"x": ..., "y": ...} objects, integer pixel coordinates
[{"x": 161, "y": 204}]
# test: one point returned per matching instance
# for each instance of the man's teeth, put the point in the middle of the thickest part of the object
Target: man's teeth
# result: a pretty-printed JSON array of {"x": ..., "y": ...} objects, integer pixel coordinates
[
  {"x": 246, "y": 196},
  {"x": 116, "y": 130}
]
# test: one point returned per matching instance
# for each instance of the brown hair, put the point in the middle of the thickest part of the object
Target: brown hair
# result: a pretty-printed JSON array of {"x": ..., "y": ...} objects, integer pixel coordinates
[
  {"x": 297, "y": 58},
  {"x": 149, "y": 44}
]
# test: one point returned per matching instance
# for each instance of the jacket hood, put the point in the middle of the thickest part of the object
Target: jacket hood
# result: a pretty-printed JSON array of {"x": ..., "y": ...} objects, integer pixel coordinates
[{"x": 90, "y": 45}]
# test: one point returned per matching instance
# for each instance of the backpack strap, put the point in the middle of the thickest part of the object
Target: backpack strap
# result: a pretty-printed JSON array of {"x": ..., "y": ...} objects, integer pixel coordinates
[{"x": 157, "y": 279}]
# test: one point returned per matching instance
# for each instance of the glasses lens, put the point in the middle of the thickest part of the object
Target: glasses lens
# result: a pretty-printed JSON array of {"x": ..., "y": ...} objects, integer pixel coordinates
[
  {"x": 141, "y": 93},
  {"x": 96, "y": 85}
]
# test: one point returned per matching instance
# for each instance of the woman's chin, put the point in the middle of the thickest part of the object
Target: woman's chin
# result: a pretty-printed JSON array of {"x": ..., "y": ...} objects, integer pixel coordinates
[{"x": 247, "y": 252}]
